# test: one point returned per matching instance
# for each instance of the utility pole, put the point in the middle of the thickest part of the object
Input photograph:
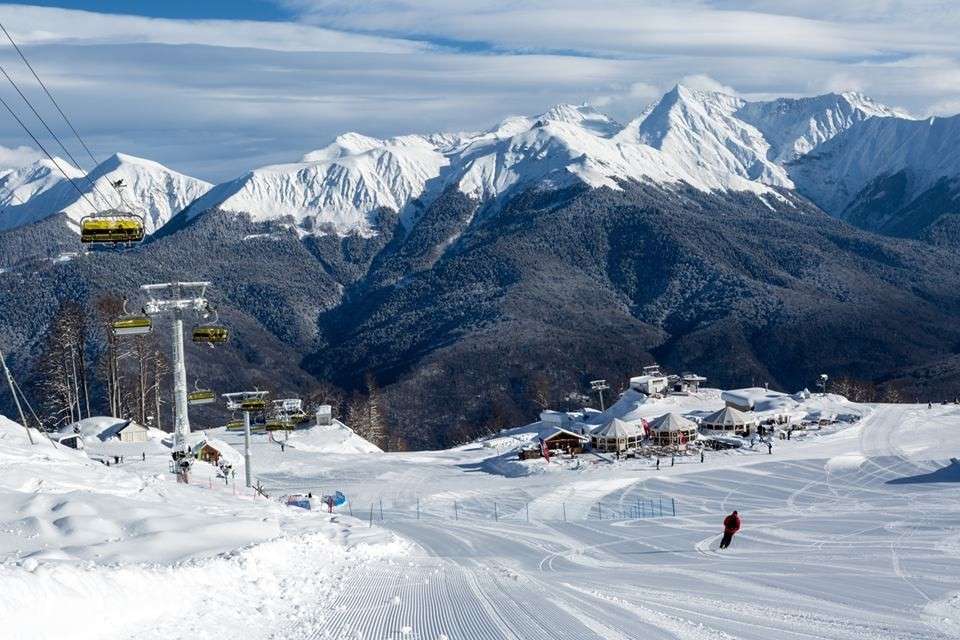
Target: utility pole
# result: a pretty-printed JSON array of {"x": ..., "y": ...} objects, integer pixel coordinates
[
  {"x": 16, "y": 399},
  {"x": 599, "y": 386}
]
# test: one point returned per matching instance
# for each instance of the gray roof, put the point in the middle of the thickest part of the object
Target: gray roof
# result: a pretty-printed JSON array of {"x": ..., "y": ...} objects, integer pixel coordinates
[
  {"x": 617, "y": 428},
  {"x": 672, "y": 422},
  {"x": 729, "y": 417}
]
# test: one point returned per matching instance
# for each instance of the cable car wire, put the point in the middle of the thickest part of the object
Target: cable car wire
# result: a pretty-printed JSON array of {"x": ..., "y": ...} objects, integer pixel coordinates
[
  {"x": 50, "y": 95},
  {"x": 55, "y": 136},
  {"x": 47, "y": 153}
]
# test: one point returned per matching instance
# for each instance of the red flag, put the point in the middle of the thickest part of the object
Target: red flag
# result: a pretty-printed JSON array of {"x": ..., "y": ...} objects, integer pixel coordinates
[
  {"x": 646, "y": 426},
  {"x": 683, "y": 437},
  {"x": 544, "y": 451}
]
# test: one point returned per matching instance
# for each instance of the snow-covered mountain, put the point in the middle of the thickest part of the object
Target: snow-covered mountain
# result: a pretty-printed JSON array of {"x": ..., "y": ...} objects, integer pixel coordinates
[
  {"x": 708, "y": 140},
  {"x": 334, "y": 189},
  {"x": 19, "y": 184},
  {"x": 152, "y": 190},
  {"x": 878, "y": 174},
  {"x": 705, "y": 139},
  {"x": 795, "y": 126}
]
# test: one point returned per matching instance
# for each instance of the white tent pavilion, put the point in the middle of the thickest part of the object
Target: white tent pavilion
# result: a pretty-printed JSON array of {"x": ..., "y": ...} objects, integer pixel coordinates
[
  {"x": 616, "y": 435},
  {"x": 672, "y": 429},
  {"x": 730, "y": 419}
]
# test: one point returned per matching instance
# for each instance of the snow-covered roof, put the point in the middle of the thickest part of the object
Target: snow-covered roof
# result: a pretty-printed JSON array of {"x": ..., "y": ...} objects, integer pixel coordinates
[
  {"x": 670, "y": 423},
  {"x": 729, "y": 417},
  {"x": 647, "y": 378},
  {"x": 100, "y": 427},
  {"x": 757, "y": 398},
  {"x": 554, "y": 430},
  {"x": 617, "y": 428}
]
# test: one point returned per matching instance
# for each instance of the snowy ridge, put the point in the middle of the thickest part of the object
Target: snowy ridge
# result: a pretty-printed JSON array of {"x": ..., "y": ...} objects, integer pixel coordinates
[
  {"x": 927, "y": 150},
  {"x": 152, "y": 190},
  {"x": 708, "y": 140},
  {"x": 20, "y": 184},
  {"x": 334, "y": 189},
  {"x": 795, "y": 126}
]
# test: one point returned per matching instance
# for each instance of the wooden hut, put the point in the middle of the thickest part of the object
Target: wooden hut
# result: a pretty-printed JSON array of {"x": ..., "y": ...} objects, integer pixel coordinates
[
  {"x": 672, "y": 430},
  {"x": 566, "y": 441}
]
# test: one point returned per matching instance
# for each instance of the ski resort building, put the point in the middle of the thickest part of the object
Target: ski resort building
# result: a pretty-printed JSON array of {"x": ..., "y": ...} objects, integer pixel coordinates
[
  {"x": 730, "y": 419},
  {"x": 650, "y": 384},
  {"x": 616, "y": 435},
  {"x": 132, "y": 432},
  {"x": 324, "y": 415},
  {"x": 564, "y": 440},
  {"x": 672, "y": 429},
  {"x": 690, "y": 382}
]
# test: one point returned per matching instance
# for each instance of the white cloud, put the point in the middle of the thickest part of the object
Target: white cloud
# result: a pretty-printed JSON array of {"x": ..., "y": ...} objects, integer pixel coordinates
[
  {"x": 21, "y": 156},
  {"x": 42, "y": 25},
  {"x": 215, "y": 98},
  {"x": 703, "y": 82}
]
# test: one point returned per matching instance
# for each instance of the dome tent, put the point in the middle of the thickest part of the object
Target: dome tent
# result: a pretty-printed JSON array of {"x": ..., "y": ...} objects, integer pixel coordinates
[
  {"x": 672, "y": 429},
  {"x": 616, "y": 435},
  {"x": 730, "y": 419}
]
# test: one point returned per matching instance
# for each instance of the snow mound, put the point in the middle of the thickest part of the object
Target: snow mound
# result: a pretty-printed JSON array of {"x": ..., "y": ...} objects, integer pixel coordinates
[{"x": 335, "y": 438}]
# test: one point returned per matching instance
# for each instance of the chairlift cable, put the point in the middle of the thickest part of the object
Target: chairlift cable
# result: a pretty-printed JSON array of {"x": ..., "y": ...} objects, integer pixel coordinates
[
  {"x": 54, "y": 135},
  {"x": 49, "y": 95},
  {"x": 47, "y": 153}
]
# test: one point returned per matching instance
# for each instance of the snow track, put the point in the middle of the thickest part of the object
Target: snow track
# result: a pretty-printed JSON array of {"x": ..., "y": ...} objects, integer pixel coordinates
[{"x": 839, "y": 544}]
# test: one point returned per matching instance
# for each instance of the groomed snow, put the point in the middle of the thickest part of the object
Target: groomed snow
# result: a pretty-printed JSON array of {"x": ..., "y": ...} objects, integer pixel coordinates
[{"x": 850, "y": 532}]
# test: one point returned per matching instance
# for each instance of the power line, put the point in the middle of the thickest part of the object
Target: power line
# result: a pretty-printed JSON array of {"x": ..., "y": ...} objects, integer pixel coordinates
[
  {"x": 47, "y": 153},
  {"x": 49, "y": 95},
  {"x": 51, "y": 132}
]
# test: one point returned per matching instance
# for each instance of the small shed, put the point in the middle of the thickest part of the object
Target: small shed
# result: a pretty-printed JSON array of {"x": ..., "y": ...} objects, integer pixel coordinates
[
  {"x": 72, "y": 440},
  {"x": 691, "y": 382},
  {"x": 731, "y": 420},
  {"x": 650, "y": 384},
  {"x": 324, "y": 415},
  {"x": 217, "y": 453},
  {"x": 133, "y": 432},
  {"x": 564, "y": 440},
  {"x": 616, "y": 435},
  {"x": 672, "y": 429}
]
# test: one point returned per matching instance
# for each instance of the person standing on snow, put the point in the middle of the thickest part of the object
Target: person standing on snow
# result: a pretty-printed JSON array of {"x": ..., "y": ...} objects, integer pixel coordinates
[{"x": 731, "y": 524}]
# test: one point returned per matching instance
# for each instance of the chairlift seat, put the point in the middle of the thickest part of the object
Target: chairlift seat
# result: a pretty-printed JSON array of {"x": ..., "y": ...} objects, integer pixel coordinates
[
  {"x": 111, "y": 227},
  {"x": 210, "y": 334},
  {"x": 132, "y": 326},
  {"x": 201, "y": 396},
  {"x": 253, "y": 404}
]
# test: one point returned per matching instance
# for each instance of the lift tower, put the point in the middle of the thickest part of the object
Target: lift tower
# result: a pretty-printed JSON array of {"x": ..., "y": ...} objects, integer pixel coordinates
[
  {"x": 248, "y": 402},
  {"x": 173, "y": 299}
]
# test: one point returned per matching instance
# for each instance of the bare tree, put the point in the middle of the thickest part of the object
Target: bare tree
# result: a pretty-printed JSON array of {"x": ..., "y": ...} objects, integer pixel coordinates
[
  {"x": 109, "y": 308},
  {"x": 62, "y": 366}
]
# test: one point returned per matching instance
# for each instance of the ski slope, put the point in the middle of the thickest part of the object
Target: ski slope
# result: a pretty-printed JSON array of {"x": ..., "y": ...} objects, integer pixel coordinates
[{"x": 848, "y": 533}]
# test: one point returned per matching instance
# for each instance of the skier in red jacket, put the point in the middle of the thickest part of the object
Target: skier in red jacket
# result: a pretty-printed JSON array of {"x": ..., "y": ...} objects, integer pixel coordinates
[{"x": 731, "y": 524}]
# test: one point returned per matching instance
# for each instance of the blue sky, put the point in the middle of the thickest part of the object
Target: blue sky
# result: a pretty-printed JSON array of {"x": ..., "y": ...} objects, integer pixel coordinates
[{"x": 216, "y": 88}]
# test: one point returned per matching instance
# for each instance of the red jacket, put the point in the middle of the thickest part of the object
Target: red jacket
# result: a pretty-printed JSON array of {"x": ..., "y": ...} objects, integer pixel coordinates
[{"x": 731, "y": 524}]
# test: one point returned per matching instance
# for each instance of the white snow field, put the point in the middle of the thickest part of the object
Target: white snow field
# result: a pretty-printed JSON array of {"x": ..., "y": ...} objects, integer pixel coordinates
[{"x": 852, "y": 532}]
